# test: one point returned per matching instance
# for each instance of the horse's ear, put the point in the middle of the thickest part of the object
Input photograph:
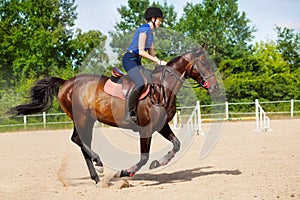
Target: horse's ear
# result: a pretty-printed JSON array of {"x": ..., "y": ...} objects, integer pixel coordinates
[{"x": 204, "y": 46}]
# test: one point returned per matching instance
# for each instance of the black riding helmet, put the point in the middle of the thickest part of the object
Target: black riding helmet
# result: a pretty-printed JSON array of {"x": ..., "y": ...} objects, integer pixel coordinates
[{"x": 153, "y": 12}]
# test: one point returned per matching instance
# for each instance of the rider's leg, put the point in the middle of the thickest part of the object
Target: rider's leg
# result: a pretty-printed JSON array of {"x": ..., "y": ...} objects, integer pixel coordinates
[
  {"x": 131, "y": 63},
  {"x": 137, "y": 78},
  {"x": 132, "y": 103}
]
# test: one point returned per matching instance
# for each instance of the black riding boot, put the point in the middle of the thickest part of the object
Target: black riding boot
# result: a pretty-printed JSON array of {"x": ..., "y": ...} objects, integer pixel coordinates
[{"x": 132, "y": 104}]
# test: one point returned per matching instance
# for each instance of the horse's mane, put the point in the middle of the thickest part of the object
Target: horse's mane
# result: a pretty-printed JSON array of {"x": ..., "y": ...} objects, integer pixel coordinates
[
  {"x": 176, "y": 59},
  {"x": 158, "y": 68}
]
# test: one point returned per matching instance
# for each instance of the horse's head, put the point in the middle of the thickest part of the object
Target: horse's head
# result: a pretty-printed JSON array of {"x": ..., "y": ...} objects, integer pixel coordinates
[{"x": 200, "y": 69}]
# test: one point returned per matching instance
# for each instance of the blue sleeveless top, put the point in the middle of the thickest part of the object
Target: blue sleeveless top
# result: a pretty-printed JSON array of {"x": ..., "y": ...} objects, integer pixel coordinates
[{"x": 134, "y": 46}]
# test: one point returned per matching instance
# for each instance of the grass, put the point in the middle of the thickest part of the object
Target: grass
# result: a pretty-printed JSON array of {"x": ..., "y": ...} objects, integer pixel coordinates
[{"x": 35, "y": 127}]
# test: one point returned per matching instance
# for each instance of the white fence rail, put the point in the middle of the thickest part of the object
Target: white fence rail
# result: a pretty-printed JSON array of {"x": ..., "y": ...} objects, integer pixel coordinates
[
  {"x": 261, "y": 118},
  {"x": 44, "y": 116},
  {"x": 180, "y": 118},
  {"x": 194, "y": 121},
  {"x": 254, "y": 111}
]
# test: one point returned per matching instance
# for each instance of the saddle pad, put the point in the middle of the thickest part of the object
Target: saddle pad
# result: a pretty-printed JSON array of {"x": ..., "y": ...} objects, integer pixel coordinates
[{"x": 115, "y": 89}]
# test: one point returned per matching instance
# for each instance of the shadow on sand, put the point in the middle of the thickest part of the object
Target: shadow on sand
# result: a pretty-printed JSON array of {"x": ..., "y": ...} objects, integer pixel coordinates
[
  {"x": 182, "y": 176},
  {"x": 167, "y": 178}
]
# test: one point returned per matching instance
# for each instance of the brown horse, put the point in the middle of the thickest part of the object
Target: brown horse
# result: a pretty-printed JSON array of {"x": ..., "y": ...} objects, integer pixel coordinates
[{"x": 83, "y": 99}]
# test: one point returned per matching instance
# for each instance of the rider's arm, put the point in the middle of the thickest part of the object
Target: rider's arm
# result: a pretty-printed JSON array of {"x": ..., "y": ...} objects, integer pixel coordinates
[
  {"x": 143, "y": 53},
  {"x": 151, "y": 51}
]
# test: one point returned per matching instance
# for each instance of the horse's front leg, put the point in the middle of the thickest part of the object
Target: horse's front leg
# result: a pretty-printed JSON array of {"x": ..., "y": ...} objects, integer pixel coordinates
[
  {"x": 169, "y": 135},
  {"x": 145, "y": 142}
]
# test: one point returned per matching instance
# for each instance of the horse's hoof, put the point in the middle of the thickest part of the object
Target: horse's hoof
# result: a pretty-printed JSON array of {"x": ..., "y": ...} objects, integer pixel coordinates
[
  {"x": 154, "y": 164},
  {"x": 124, "y": 173},
  {"x": 99, "y": 169},
  {"x": 118, "y": 174}
]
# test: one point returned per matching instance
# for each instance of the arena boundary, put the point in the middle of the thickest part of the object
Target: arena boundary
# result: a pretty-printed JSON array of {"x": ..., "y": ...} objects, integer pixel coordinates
[{"x": 200, "y": 115}]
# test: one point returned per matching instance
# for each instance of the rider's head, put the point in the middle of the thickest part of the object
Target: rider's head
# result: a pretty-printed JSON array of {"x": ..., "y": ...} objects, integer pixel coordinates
[{"x": 154, "y": 15}]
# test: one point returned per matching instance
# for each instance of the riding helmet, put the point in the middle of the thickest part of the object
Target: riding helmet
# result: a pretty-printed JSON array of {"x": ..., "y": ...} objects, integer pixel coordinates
[{"x": 153, "y": 12}]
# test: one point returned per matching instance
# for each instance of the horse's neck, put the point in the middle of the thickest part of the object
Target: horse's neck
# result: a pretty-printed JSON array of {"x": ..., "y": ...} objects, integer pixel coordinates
[{"x": 170, "y": 79}]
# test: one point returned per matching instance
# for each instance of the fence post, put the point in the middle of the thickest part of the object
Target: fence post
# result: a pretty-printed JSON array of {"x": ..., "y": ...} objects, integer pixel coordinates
[
  {"x": 44, "y": 119},
  {"x": 256, "y": 114},
  {"x": 292, "y": 108},
  {"x": 199, "y": 117},
  {"x": 25, "y": 121},
  {"x": 227, "y": 110}
]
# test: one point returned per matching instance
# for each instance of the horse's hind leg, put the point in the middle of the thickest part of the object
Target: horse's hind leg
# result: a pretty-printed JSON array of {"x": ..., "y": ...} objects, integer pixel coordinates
[
  {"x": 82, "y": 136},
  {"x": 87, "y": 143},
  {"x": 167, "y": 133}
]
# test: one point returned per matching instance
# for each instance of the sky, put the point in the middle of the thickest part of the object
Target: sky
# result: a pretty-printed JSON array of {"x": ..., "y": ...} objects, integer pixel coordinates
[{"x": 264, "y": 14}]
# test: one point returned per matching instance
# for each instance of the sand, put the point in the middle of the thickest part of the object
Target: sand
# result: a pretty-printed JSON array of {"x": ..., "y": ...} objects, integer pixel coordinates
[{"x": 243, "y": 165}]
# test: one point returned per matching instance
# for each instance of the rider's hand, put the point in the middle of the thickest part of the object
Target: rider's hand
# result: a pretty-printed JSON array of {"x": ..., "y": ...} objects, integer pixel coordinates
[
  {"x": 159, "y": 62},
  {"x": 162, "y": 62}
]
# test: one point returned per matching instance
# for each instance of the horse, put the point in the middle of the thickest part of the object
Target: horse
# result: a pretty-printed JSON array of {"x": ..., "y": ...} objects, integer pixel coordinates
[{"x": 84, "y": 100}]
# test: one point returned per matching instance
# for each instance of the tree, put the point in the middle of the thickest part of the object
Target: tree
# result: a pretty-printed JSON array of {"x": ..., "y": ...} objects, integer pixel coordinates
[
  {"x": 34, "y": 37},
  {"x": 264, "y": 75},
  {"x": 89, "y": 51},
  {"x": 36, "y": 40},
  {"x": 220, "y": 25},
  {"x": 289, "y": 46}
]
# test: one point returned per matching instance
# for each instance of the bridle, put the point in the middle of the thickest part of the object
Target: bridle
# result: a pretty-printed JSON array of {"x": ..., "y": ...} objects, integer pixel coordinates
[{"x": 204, "y": 83}]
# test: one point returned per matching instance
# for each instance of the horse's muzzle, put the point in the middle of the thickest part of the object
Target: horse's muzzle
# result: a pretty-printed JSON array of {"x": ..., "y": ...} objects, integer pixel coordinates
[{"x": 213, "y": 89}]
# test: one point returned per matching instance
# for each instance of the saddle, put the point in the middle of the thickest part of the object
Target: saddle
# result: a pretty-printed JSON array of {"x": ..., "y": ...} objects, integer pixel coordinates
[{"x": 120, "y": 85}]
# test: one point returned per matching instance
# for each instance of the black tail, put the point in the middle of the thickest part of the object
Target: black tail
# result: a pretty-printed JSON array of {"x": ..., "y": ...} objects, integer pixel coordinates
[{"x": 41, "y": 95}]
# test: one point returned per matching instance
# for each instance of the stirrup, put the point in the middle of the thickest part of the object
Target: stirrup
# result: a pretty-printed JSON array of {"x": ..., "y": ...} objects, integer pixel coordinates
[{"x": 131, "y": 117}]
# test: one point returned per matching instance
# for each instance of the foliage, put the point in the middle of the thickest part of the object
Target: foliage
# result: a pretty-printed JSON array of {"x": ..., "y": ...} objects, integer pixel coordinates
[
  {"x": 220, "y": 25},
  {"x": 36, "y": 40},
  {"x": 89, "y": 52},
  {"x": 170, "y": 43},
  {"x": 289, "y": 46},
  {"x": 33, "y": 37},
  {"x": 263, "y": 75}
]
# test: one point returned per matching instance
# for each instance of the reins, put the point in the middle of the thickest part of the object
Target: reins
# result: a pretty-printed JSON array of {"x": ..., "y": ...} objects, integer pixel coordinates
[{"x": 185, "y": 75}]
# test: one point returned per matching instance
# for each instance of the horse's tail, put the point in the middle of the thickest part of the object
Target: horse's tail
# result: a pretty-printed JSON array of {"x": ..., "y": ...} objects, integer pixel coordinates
[{"x": 41, "y": 95}]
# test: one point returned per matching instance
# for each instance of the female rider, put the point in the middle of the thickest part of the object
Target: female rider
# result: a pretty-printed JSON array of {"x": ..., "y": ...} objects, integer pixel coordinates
[{"x": 141, "y": 46}]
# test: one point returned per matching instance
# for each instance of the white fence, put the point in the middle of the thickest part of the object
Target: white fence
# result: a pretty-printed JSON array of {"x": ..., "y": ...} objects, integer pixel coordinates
[
  {"x": 44, "y": 119},
  {"x": 255, "y": 111},
  {"x": 261, "y": 118},
  {"x": 195, "y": 120}
]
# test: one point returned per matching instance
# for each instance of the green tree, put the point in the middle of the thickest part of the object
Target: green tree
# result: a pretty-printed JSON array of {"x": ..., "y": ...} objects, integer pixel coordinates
[
  {"x": 220, "y": 25},
  {"x": 34, "y": 37},
  {"x": 289, "y": 46},
  {"x": 37, "y": 39},
  {"x": 89, "y": 51},
  {"x": 264, "y": 75}
]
